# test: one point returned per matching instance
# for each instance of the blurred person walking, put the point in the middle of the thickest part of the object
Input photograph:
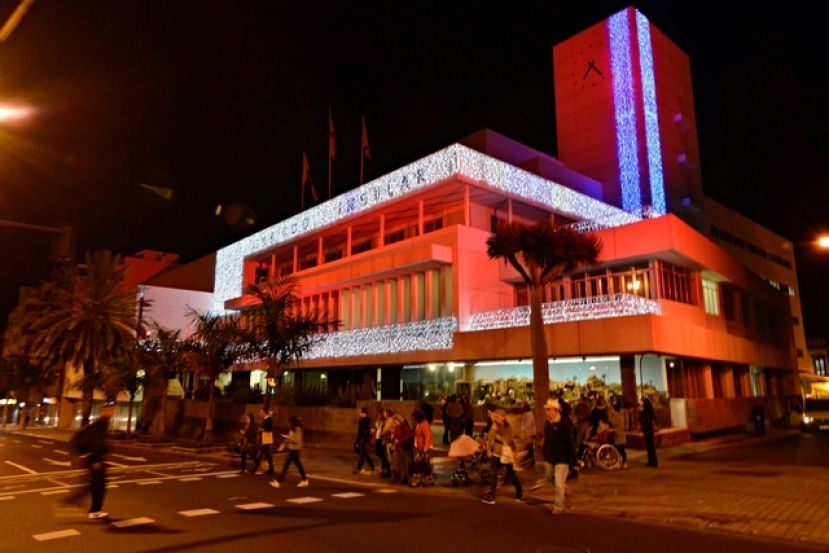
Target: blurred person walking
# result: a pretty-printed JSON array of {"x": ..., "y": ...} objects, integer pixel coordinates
[
  {"x": 501, "y": 448},
  {"x": 293, "y": 442},
  {"x": 361, "y": 443},
  {"x": 559, "y": 452},
  {"x": 90, "y": 443},
  {"x": 249, "y": 444},
  {"x": 266, "y": 439},
  {"x": 647, "y": 422}
]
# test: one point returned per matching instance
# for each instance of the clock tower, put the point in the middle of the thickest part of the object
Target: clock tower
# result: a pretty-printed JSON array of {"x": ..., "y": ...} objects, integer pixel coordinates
[{"x": 625, "y": 114}]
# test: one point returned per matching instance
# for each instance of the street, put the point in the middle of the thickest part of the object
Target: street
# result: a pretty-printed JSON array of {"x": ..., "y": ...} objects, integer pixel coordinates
[{"x": 161, "y": 502}]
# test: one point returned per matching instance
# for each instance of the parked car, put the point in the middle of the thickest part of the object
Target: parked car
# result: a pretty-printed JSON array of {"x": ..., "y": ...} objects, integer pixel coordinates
[{"x": 815, "y": 415}]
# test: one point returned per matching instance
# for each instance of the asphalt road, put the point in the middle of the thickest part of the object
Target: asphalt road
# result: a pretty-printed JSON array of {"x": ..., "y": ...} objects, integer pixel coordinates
[
  {"x": 801, "y": 449},
  {"x": 160, "y": 503}
]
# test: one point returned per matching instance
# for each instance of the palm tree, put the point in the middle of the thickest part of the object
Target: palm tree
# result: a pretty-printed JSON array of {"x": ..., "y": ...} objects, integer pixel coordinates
[
  {"x": 123, "y": 375},
  {"x": 89, "y": 321},
  {"x": 276, "y": 329},
  {"x": 216, "y": 345},
  {"x": 158, "y": 358},
  {"x": 541, "y": 253}
]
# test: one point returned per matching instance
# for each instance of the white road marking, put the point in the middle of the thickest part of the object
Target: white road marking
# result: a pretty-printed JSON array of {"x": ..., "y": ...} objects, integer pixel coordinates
[
  {"x": 56, "y": 535},
  {"x": 128, "y": 458},
  {"x": 36, "y": 446},
  {"x": 150, "y": 483},
  {"x": 58, "y": 463},
  {"x": 253, "y": 506},
  {"x": 6, "y": 497},
  {"x": 386, "y": 490},
  {"x": 132, "y": 522},
  {"x": 345, "y": 481},
  {"x": 195, "y": 479},
  {"x": 198, "y": 512},
  {"x": 17, "y": 441},
  {"x": 47, "y": 442},
  {"x": 21, "y": 467},
  {"x": 62, "y": 452},
  {"x": 112, "y": 486},
  {"x": 114, "y": 464},
  {"x": 348, "y": 495},
  {"x": 54, "y": 492},
  {"x": 303, "y": 500},
  {"x": 228, "y": 476}
]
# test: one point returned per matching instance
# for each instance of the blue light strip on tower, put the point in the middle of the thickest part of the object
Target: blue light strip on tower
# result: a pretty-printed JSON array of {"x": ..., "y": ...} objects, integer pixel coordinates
[
  {"x": 624, "y": 107},
  {"x": 654, "y": 145}
]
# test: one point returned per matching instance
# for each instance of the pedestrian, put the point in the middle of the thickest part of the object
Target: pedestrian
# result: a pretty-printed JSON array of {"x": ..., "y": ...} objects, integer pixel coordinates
[
  {"x": 266, "y": 439},
  {"x": 528, "y": 432},
  {"x": 389, "y": 428},
  {"x": 454, "y": 415},
  {"x": 403, "y": 446},
  {"x": 380, "y": 445},
  {"x": 293, "y": 442},
  {"x": 468, "y": 416},
  {"x": 91, "y": 443},
  {"x": 428, "y": 411},
  {"x": 647, "y": 422},
  {"x": 582, "y": 412},
  {"x": 501, "y": 450},
  {"x": 362, "y": 441},
  {"x": 444, "y": 404},
  {"x": 617, "y": 425},
  {"x": 248, "y": 443},
  {"x": 559, "y": 452},
  {"x": 758, "y": 417},
  {"x": 422, "y": 447},
  {"x": 598, "y": 416}
]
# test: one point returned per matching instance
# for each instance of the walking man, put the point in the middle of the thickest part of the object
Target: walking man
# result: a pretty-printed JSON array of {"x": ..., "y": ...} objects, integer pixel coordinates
[
  {"x": 559, "y": 452},
  {"x": 266, "y": 441},
  {"x": 90, "y": 443}
]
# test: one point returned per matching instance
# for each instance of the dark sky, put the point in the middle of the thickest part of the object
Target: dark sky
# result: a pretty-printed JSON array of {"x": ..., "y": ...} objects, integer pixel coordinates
[{"x": 217, "y": 100}]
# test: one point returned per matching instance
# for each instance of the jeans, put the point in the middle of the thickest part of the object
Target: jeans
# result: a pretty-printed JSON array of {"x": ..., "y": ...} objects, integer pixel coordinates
[
  {"x": 509, "y": 474},
  {"x": 364, "y": 457},
  {"x": 97, "y": 488},
  {"x": 253, "y": 458},
  {"x": 557, "y": 476},
  {"x": 265, "y": 453},
  {"x": 380, "y": 450},
  {"x": 293, "y": 457}
]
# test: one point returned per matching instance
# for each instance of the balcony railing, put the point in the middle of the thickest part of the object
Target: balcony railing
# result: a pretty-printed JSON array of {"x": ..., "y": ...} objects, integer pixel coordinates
[
  {"x": 428, "y": 335},
  {"x": 583, "y": 309}
]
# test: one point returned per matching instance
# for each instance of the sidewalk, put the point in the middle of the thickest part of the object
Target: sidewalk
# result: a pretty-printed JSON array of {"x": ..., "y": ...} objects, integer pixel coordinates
[{"x": 789, "y": 504}]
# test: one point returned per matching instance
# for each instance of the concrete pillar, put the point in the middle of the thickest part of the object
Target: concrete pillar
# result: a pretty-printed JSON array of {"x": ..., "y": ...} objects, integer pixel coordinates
[
  {"x": 726, "y": 377},
  {"x": 467, "y": 217},
  {"x": 320, "y": 253},
  {"x": 627, "y": 368},
  {"x": 348, "y": 241},
  {"x": 707, "y": 380},
  {"x": 381, "y": 240}
]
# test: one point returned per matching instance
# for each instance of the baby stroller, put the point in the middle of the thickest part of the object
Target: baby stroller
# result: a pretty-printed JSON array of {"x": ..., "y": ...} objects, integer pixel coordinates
[{"x": 472, "y": 457}]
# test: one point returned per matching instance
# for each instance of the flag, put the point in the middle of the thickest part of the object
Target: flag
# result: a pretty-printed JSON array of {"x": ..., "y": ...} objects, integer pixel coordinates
[
  {"x": 306, "y": 177},
  {"x": 364, "y": 141},
  {"x": 332, "y": 149}
]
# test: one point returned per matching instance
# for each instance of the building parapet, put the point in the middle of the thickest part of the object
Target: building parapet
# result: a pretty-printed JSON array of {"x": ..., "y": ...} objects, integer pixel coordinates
[
  {"x": 426, "y": 335},
  {"x": 582, "y": 309}
]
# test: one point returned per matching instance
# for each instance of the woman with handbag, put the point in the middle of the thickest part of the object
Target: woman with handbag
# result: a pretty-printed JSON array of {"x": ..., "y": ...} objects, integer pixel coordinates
[
  {"x": 422, "y": 445},
  {"x": 293, "y": 442}
]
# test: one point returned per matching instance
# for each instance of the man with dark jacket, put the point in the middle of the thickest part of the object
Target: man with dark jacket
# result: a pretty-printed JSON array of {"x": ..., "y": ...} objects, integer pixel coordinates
[
  {"x": 361, "y": 443},
  {"x": 90, "y": 443},
  {"x": 559, "y": 452}
]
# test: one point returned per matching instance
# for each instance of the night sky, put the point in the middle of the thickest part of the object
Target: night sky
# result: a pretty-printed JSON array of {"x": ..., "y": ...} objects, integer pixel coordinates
[{"x": 217, "y": 100}]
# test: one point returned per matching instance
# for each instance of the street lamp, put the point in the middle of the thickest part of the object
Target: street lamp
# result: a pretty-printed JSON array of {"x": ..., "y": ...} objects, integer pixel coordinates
[
  {"x": 823, "y": 242},
  {"x": 11, "y": 113}
]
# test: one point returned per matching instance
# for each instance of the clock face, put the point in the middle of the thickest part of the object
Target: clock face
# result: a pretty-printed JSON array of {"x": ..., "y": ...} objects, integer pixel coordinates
[{"x": 589, "y": 65}]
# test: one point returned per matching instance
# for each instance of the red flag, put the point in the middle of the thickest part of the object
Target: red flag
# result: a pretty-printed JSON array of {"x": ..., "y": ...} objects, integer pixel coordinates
[
  {"x": 306, "y": 177},
  {"x": 332, "y": 149},
  {"x": 364, "y": 141}
]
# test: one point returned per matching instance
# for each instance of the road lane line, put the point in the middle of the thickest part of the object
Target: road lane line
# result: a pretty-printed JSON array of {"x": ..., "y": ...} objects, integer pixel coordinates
[
  {"x": 303, "y": 500},
  {"x": 345, "y": 481},
  {"x": 198, "y": 512},
  {"x": 54, "y": 492},
  {"x": 6, "y": 497},
  {"x": 21, "y": 467},
  {"x": 54, "y": 463},
  {"x": 386, "y": 490},
  {"x": 114, "y": 464},
  {"x": 196, "y": 479},
  {"x": 348, "y": 495},
  {"x": 55, "y": 535},
  {"x": 132, "y": 522},
  {"x": 47, "y": 442},
  {"x": 62, "y": 452},
  {"x": 150, "y": 483},
  {"x": 36, "y": 446},
  {"x": 58, "y": 483},
  {"x": 253, "y": 506},
  {"x": 228, "y": 476},
  {"x": 111, "y": 486}
]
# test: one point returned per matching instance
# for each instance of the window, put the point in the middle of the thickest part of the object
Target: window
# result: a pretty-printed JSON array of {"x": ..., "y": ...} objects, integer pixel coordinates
[
  {"x": 333, "y": 255},
  {"x": 361, "y": 247},
  {"x": 675, "y": 283},
  {"x": 393, "y": 237},
  {"x": 433, "y": 225},
  {"x": 711, "y": 295},
  {"x": 308, "y": 262},
  {"x": 820, "y": 366}
]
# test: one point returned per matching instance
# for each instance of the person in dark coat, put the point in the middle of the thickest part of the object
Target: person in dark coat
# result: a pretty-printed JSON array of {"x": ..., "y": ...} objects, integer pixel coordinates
[
  {"x": 91, "y": 443},
  {"x": 362, "y": 442},
  {"x": 249, "y": 443},
  {"x": 559, "y": 452},
  {"x": 454, "y": 416},
  {"x": 647, "y": 422}
]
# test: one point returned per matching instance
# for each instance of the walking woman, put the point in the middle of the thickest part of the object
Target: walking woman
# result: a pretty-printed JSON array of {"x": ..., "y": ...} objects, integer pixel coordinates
[
  {"x": 380, "y": 446},
  {"x": 501, "y": 448},
  {"x": 422, "y": 445},
  {"x": 293, "y": 441},
  {"x": 647, "y": 421},
  {"x": 249, "y": 443}
]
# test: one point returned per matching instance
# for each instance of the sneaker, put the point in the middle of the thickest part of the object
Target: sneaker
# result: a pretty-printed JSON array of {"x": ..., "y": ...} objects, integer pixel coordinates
[
  {"x": 624, "y": 465},
  {"x": 98, "y": 514},
  {"x": 488, "y": 500},
  {"x": 275, "y": 484},
  {"x": 366, "y": 471},
  {"x": 303, "y": 484}
]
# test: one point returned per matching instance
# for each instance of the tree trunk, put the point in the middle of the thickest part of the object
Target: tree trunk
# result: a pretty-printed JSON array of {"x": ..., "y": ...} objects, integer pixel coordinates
[
  {"x": 208, "y": 423},
  {"x": 88, "y": 393},
  {"x": 272, "y": 368},
  {"x": 541, "y": 366}
]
